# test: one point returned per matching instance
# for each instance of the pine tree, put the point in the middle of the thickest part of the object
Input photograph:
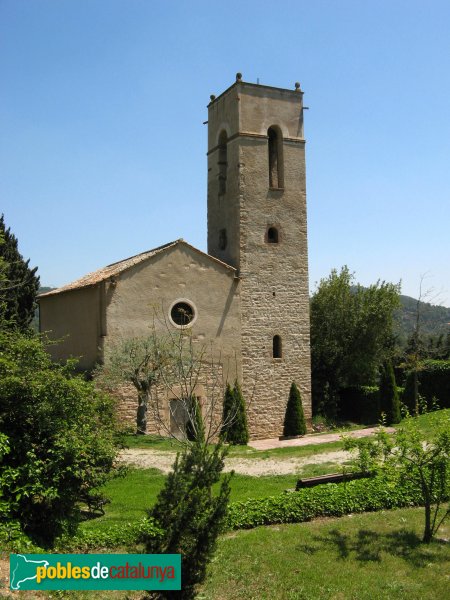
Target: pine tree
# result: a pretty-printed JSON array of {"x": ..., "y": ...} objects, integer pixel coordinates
[
  {"x": 20, "y": 285},
  {"x": 190, "y": 517},
  {"x": 294, "y": 420},
  {"x": 389, "y": 399}
]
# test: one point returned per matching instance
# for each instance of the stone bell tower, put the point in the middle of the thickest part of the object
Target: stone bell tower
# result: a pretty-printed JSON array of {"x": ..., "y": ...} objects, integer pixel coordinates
[{"x": 257, "y": 223}]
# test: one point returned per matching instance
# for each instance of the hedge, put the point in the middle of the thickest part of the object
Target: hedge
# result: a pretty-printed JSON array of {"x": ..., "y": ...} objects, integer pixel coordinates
[
  {"x": 360, "y": 404},
  {"x": 434, "y": 378},
  {"x": 125, "y": 534},
  {"x": 330, "y": 500}
]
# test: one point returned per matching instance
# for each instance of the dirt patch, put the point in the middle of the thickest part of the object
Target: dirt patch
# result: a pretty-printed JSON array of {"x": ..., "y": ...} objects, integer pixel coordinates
[{"x": 258, "y": 467}]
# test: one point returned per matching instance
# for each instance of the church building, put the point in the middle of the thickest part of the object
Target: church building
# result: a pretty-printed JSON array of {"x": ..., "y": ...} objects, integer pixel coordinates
[{"x": 247, "y": 298}]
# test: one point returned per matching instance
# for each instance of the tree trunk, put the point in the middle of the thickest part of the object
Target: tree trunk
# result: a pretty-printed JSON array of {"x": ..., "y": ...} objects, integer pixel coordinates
[
  {"x": 416, "y": 392},
  {"x": 427, "y": 534},
  {"x": 141, "y": 416}
]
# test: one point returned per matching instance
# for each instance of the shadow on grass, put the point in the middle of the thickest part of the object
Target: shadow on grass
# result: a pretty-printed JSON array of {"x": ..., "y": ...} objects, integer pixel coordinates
[{"x": 368, "y": 545}]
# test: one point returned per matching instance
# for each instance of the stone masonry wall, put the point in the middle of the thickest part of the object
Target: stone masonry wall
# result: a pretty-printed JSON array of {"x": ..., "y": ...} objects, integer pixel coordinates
[{"x": 274, "y": 295}]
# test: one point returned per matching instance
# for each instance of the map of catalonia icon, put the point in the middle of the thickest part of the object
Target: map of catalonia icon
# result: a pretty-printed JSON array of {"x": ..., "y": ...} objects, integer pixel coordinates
[{"x": 23, "y": 569}]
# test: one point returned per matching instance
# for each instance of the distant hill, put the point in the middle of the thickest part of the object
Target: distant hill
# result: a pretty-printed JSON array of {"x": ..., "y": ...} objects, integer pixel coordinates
[
  {"x": 43, "y": 289},
  {"x": 434, "y": 320}
]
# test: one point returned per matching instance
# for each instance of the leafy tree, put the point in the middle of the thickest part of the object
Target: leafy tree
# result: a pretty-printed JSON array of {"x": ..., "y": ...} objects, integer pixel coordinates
[
  {"x": 294, "y": 420},
  {"x": 167, "y": 364},
  {"x": 19, "y": 283},
  {"x": 190, "y": 516},
  {"x": 234, "y": 421},
  {"x": 428, "y": 463},
  {"x": 139, "y": 361},
  {"x": 408, "y": 457},
  {"x": 389, "y": 399},
  {"x": 416, "y": 350},
  {"x": 60, "y": 436},
  {"x": 351, "y": 334}
]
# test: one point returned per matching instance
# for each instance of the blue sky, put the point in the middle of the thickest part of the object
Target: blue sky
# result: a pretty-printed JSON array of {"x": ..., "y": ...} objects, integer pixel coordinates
[{"x": 103, "y": 150}]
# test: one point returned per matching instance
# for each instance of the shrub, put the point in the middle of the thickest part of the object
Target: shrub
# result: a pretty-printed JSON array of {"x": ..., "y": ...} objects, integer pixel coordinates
[
  {"x": 195, "y": 428},
  {"x": 190, "y": 517},
  {"x": 360, "y": 404},
  {"x": 228, "y": 412},
  {"x": 425, "y": 464},
  {"x": 294, "y": 420},
  {"x": 434, "y": 380},
  {"x": 328, "y": 500},
  {"x": 234, "y": 428},
  {"x": 61, "y": 438},
  {"x": 125, "y": 534},
  {"x": 408, "y": 397},
  {"x": 389, "y": 398}
]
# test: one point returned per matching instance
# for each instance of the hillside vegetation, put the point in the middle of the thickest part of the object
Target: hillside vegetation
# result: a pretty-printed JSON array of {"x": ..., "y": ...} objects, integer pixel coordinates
[{"x": 434, "y": 320}]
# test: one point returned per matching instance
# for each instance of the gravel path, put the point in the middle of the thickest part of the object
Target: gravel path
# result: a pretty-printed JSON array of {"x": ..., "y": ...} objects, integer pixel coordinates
[
  {"x": 246, "y": 466},
  {"x": 314, "y": 439},
  {"x": 258, "y": 467}
]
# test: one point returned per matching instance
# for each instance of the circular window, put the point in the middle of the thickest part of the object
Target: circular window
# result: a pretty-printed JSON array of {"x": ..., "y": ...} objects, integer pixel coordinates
[{"x": 182, "y": 313}]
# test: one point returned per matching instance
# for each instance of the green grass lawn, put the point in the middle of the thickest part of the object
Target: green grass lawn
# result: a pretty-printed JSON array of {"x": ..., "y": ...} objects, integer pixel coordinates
[
  {"x": 426, "y": 423},
  {"x": 373, "y": 556},
  {"x": 132, "y": 494},
  {"x": 151, "y": 442}
]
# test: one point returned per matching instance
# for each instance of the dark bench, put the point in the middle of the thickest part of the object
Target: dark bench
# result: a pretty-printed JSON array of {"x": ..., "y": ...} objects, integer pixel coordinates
[{"x": 329, "y": 478}]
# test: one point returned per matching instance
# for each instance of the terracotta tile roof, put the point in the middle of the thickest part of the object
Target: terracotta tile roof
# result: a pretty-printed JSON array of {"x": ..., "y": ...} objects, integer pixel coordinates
[{"x": 118, "y": 267}]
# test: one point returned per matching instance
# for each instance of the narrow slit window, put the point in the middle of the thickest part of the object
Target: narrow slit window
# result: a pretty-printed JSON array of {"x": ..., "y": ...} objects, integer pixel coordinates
[
  {"x": 223, "y": 239},
  {"x": 277, "y": 347},
  {"x": 276, "y": 174},
  {"x": 223, "y": 163},
  {"x": 272, "y": 235}
]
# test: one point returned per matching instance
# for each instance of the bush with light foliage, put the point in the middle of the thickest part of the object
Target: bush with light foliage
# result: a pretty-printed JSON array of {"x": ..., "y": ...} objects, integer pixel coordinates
[{"x": 58, "y": 438}]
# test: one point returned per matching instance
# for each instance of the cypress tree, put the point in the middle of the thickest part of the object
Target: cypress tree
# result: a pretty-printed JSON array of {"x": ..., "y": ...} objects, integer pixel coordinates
[
  {"x": 195, "y": 429},
  {"x": 389, "y": 400},
  {"x": 228, "y": 412},
  {"x": 20, "y": 284},
  {"x": 234, "y": 428},
  {"x": 408, "y": 397},
  {"x": 241, "y": 427},
  {"x": 294, "y": 420}
]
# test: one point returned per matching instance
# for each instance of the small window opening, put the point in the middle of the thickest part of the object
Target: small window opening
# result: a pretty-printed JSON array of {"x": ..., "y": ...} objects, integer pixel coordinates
[
  {"x": 276, "y": 174},
  {"x": 273, "y": 294},
  {"x": 223, "y": 239},
  {"x": 277, "y": 347},
  {"x": 182, "y": 313},
  {"x": 272, "y": 235},
  {"x": 223, "y": 163}
]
